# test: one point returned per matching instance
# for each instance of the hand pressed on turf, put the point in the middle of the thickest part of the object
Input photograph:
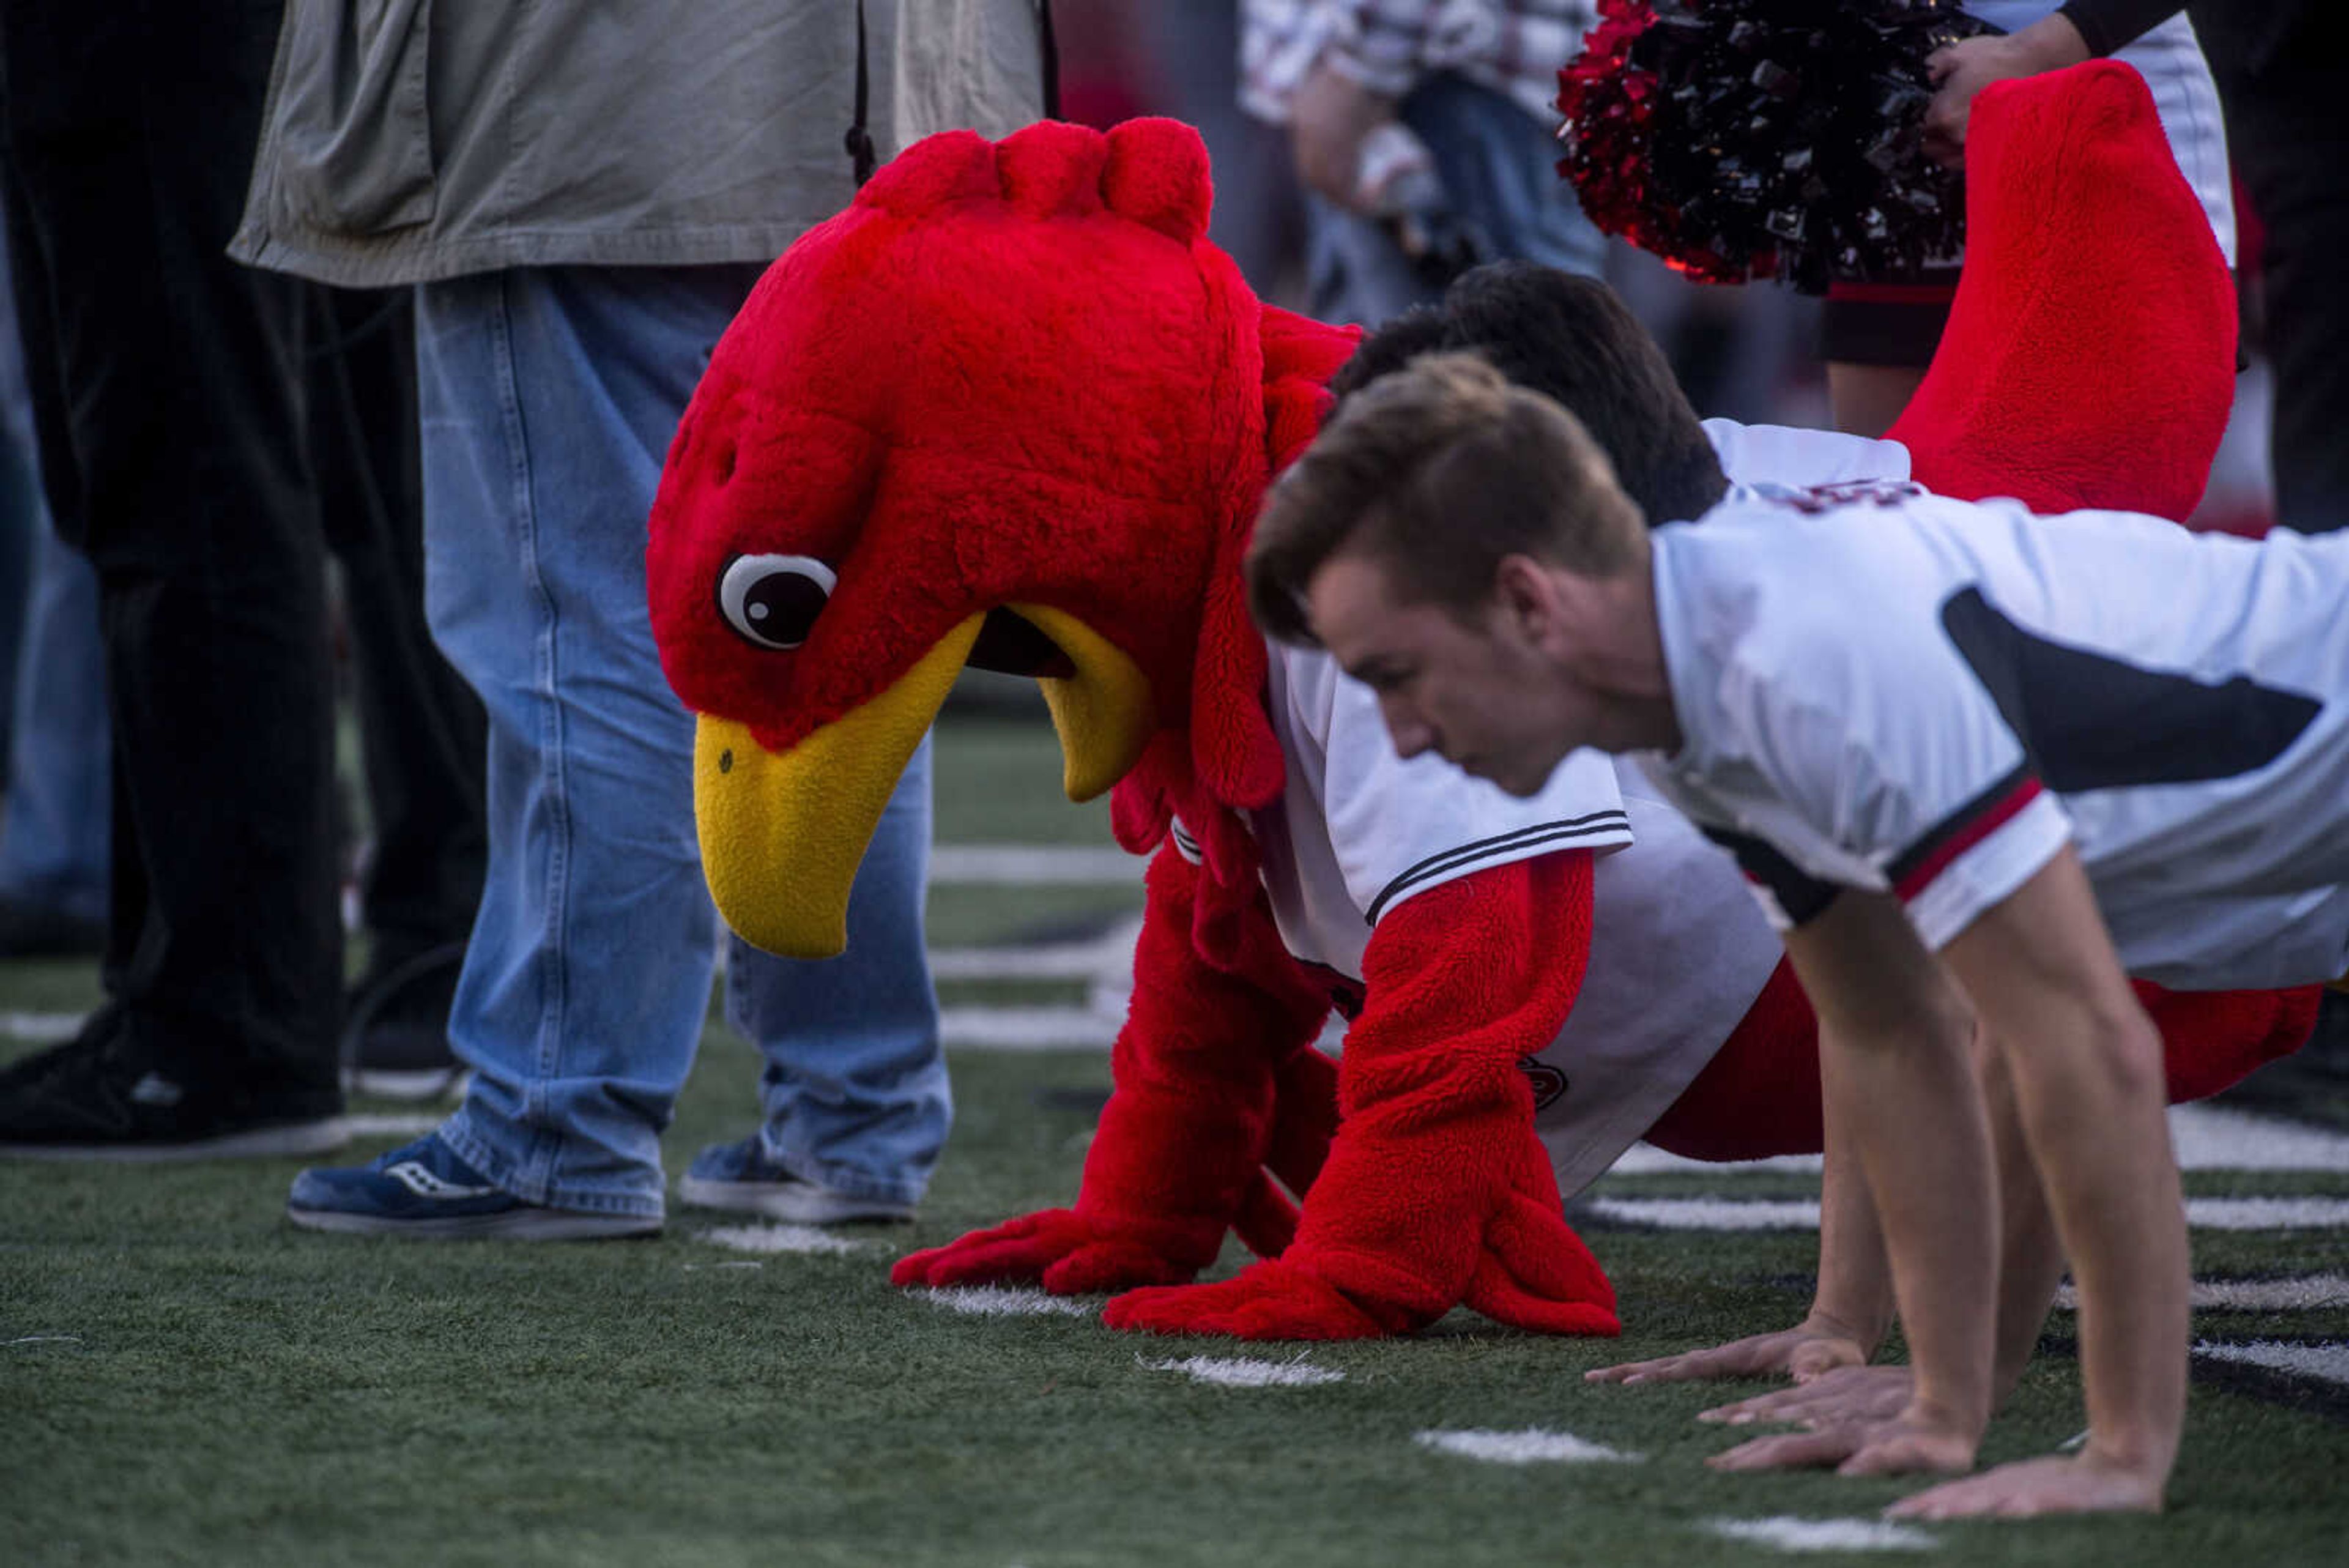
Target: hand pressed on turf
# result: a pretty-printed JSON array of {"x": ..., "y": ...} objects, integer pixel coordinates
[
  {"x": 1837, "y": 1398},
  {"x": 1267, "y": 1300},
  {"x": 1812, "y": 1348},
  {"x": 1911, "y": 1441},
  {"x": 1067, "y": 1252},
  {"x": 2087, "y": 1483}
]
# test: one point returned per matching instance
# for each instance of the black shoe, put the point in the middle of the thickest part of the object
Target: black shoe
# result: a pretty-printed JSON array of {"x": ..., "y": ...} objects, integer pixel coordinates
[
  {"x": 30, "y": 930},
  {"x": 35, "y": 1066},
  {"x": 396, "y": 1029},
  {"x": 112, "y": 1101}
]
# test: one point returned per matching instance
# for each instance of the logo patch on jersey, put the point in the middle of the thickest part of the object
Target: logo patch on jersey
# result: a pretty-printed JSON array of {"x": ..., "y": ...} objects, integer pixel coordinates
[
  {"x": 1549, "y": 1083},
  {"x": 1813, "y": 500},
  {"x": 2089, "y": 720}
]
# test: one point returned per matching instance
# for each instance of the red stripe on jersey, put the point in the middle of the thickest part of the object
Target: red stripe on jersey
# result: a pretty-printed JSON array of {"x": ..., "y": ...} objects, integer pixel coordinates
[{"x": 1996, "y": 814}]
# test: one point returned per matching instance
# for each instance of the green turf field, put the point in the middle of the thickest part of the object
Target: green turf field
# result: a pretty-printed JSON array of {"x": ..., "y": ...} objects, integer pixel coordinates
[{"x": 184, "y": 1379}]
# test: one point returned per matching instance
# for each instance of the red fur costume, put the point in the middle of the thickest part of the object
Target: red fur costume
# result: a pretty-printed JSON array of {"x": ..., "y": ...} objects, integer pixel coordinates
[{"x": 1011, "y": 408}]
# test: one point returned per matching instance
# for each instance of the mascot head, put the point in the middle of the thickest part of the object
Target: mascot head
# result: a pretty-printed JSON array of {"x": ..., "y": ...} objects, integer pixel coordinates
[{"x": 1012, "y": 409}]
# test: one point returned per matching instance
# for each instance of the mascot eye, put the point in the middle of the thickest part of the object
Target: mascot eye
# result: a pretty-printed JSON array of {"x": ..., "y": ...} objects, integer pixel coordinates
[{"x": 773, "y": 600}]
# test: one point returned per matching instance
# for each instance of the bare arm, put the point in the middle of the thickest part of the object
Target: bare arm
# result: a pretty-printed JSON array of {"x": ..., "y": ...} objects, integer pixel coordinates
[{"x": 2086, "y": 1064}]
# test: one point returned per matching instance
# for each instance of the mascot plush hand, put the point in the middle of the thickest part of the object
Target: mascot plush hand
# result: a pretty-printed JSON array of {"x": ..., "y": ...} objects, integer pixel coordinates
[{"x": 1011, "y": 409}]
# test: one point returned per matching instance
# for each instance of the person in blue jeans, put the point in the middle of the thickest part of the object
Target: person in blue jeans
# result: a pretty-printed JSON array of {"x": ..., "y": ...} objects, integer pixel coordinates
[
  {"x": 1423, "y": 134},
  {"x": 582, "y": 210},
  {"x": 55, "y": 840}
]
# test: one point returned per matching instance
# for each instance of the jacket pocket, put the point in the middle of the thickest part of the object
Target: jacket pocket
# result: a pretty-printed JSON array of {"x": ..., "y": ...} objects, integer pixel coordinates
[{"x": 354, "y": 125}]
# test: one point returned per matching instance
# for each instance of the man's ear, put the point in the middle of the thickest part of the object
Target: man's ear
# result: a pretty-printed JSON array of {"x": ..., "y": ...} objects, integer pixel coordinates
[{"x": 1525, "y": 597}]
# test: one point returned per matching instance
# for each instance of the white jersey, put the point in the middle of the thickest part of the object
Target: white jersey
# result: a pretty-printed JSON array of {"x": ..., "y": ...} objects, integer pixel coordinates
[
  {"x": 2170, "y": 59},
  {"x": 1677, "y": 953},
  {"x": 1908, "y": 693}
]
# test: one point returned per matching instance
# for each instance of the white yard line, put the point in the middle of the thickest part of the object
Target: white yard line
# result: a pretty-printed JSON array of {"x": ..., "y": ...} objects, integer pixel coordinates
[
  {"x": 1529, "y": 1447},
  {"x": 41, "y": 1028},
  {"x": 1801, "y": 1214},
  {"x": 2208, "y": 1137},
  {"x": 1027, "y": 1028},
  {"x": 2304, "y": 1293},
  {"x": 1787, "y": 1533},
  {"x": 2327, "y": 1362},
  {"x": 796, "y": 1238},
  {"x": 1035, "y": 865},
  {"x": 1242, "y": 1372},
  {"x": 2215, "y": 1137},
  {"x": 1008, "y": 1300}
]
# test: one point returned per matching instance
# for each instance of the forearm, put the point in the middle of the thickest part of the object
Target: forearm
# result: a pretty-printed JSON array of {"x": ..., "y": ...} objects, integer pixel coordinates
[
  {"x": 2106, "y": 26},
  {"x": 1854, "y": 1289},
  {"x": 1933, "y": 1198},
  {"x": 2093, "y": 1114},
  {"x": 2031, "y": 1257},
  {"x": 2087, "y": 1067},
  {"x": 1895, "y": 1041}
]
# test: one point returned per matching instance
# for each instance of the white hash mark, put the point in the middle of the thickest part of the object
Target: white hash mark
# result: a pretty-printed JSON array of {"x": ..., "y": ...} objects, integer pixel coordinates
[
  {"x": 1532, "y": 1446},
  {"x": 1788, "y": 1533},
  {"x": 804, "y": 1239},
  {"x": 1008, "y": 1300},
  {"x": 2327, "y": 1362},
  {"x": 1240, "y": 1372}
]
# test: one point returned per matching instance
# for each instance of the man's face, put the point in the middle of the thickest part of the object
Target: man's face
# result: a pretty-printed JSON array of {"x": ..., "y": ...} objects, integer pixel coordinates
[{"x": 1473, "y": 689}]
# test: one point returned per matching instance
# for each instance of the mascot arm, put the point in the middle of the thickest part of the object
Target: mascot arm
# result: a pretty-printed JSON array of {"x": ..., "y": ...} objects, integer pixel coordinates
[
  {"x": 1435, "y": 1191},
  {"x": 1178, "y": 1155}
]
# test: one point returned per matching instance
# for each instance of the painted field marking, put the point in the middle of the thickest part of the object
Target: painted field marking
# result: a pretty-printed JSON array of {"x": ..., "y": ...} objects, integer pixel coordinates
[
  {"x": 1035, "y": 866},
  {"x": 41, "y": 1028},
  {"x": 2208, "y": 1137},
  {"x": 2305, "y": 1292},
  {"x": 1788, "y": 1533},
  {"x": 1803, "y": 1214},
  {"x": 1711, "y": 1213},
  {"x": 45, "y": 1339},
  {"x": 1529, "y": 1447},
  {"x": 1242, "y": 1372},
  {"x": 373, "y": 1124},
  {"x": 795, "y": 1239},
  {"x": 1008, "y": 1301},
  {"x": 2329, "y": 1363},
  {"x": 1027, "y": 1028}
]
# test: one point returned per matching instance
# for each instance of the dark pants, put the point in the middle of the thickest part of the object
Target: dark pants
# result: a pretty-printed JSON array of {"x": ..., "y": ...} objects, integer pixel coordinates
[
  {"x": 421, "y": 730},
  {"x": 2289, "y": 141},
  {"x": 165, "y": 384}
]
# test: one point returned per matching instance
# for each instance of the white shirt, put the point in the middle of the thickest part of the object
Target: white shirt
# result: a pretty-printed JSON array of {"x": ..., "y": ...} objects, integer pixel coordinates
[
  {"x": 1910, "y": 693},
  {"x": 1677, "y": 951}
]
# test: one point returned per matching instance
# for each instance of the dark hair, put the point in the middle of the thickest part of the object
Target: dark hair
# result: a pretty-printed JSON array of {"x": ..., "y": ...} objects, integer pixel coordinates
[
  {"x": 1439, "y": 470},
  {"x": 1572, "y": 339}
]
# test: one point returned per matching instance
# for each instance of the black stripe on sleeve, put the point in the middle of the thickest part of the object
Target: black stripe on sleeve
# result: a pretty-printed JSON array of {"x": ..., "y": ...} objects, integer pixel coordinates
[
  {"x": 1501, "y": 847},
  {"x": 1802, "y": 898},
  {"x": 1905, "y": 864}
]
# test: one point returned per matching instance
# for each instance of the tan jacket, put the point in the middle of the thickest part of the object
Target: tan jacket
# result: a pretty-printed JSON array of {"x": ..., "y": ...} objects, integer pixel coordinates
[{"x": 409, "y": 141}]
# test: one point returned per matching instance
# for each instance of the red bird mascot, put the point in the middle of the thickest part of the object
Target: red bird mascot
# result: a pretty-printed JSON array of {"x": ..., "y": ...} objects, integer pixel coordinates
[{"x": 1012, "y": 409}]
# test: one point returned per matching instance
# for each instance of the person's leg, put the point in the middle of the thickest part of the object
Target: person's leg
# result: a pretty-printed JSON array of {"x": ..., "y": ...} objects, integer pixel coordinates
[
  {"x": 54, "y": 859},
  {"x": 855, "y": 1092},
  {"x": 171, "y": 454},
  {"x": 421, "y": 733},
  {"x": 548, "y": 398}
]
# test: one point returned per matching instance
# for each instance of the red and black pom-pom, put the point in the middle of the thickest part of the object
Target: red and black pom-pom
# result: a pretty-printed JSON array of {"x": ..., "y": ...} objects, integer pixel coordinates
[{"x": 1743, "y": 139}]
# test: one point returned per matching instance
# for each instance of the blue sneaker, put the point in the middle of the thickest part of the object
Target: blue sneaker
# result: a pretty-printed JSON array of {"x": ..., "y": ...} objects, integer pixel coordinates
[
  {"x": 424, "y": 1190},
  {"x": 739, "y": 1177}
]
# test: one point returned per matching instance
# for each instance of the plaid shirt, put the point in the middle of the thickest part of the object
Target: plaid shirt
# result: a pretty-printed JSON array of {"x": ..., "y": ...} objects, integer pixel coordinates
[{"x": 1513, "y": 47}]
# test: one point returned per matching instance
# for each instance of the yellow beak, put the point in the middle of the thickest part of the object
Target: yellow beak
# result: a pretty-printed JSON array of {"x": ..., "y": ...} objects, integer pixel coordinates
[{"x": 782, "y": 835}]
